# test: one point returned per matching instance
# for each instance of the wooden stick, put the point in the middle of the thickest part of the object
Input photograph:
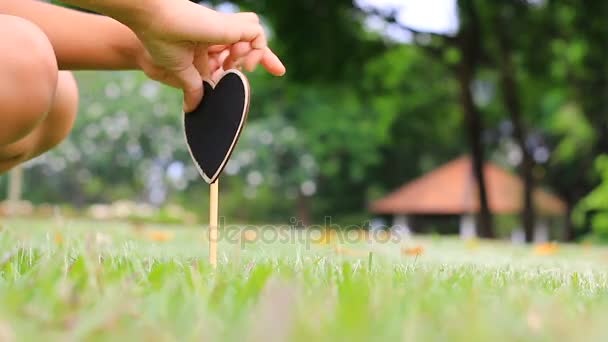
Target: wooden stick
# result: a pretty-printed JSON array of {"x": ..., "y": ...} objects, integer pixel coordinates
[{"x": 213, "y": 213}]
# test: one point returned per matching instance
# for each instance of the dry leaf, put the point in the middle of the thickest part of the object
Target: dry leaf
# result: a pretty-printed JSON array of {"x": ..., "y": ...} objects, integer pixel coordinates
[
  {"x": 58, "y": 239},
  {"x": 350, "y": 252},
  {"x": 160, "y": 235},
  {"x": 326, "y": 238},
  {"x": 549, "y": 248},
  {"x": 412, "y": 251},
  {"x": 472, "y": 244},
  {"x": 249, "y": 235}
]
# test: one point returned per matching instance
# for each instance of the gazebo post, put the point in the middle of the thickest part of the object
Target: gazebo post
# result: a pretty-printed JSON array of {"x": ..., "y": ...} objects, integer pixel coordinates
[
  {"x": 518, "y": 236},
  {"x": 401, "y": 224},
  {"x": 468, "y": 227},
  {"x": 541, "y": 231}
]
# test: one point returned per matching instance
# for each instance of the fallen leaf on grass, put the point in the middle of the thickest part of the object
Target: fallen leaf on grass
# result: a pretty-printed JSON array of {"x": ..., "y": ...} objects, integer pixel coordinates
[
  {"x": 472, "y": 244},
  {"x": 160, "y": 235},
  {"x": 544, "y": 249},
  {"x": 350, "y": 252},
  {"x": 412, "y": 251},
  {"x": 326, "y": 238},
  {"x": 249, "y": 235},
  {"x": 58, "y": 239},
  {"x": 587, "y": 244}
]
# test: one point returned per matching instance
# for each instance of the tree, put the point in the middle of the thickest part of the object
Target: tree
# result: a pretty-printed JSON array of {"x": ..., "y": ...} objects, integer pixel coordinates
[
  {"x": 585, "y": 39},
  {"x": 370, "y": 112},
  {"x": 469, "y": 44},
  {"x": 467, "y": 48},
  {"x": 505, "y": 17}
]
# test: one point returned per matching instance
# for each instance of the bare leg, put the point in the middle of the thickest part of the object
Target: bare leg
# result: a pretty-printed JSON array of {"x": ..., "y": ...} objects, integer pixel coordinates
[{"x": 39, "y": 103}]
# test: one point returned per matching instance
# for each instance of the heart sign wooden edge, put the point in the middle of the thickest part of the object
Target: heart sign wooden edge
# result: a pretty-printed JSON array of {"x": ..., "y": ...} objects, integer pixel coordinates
[{"x": 214, "y": 127}]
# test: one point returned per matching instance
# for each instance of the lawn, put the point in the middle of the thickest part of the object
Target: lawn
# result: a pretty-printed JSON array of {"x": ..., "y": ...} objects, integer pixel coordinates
[{"x": 84, "y": 280}]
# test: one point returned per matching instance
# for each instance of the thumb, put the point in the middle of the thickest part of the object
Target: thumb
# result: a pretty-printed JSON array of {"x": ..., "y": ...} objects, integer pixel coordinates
[{"x": 190, "y": 82}]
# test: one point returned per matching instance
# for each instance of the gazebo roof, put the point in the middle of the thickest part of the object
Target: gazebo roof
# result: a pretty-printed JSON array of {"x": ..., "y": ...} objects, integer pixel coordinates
[{"x": 451, "y": 189}]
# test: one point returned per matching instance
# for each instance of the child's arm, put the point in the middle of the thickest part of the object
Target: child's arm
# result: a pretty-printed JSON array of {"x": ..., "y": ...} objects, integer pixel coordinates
[
  {"x": 177, "y": 34},
  {"x": 182, "y": 18},
  {"x": 80, "y": 40},
  {"x": 170, "y": 40}
]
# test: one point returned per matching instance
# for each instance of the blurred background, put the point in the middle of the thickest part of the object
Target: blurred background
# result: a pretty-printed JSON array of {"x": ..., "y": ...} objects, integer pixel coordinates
[{"x": 485, "y": 118}]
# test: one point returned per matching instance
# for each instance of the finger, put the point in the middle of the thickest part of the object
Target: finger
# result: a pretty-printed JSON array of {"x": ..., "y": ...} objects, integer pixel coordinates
[
  {"x": 247, "y": 27},
  {"x": 220, "y": 28},
  {"x": 237, "y": 64},
  {"x": 272, "y": 63},
  {"x": 229, "y": 62},
  {"x": 201, "y": 61},
  {"x": 214, "y": 64},
  {"x": 249, "y": 16},
  {"x": 228, "y": 28},
  {"x": 215, "y": 77},
  {"x": 217, "y": 48},
  {"x": 237, "y": 51},
  {"x": 251, "y": 61},
  {"x": 260, "y": 41},
  {"x": 191, "y": 83},
  {"x": 240, "y": 49},
  {"x": 222, "y": 57}
]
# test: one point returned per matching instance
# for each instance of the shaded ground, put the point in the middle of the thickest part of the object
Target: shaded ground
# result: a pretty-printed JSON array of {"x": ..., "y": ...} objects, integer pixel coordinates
[{"x": 117, "y": 281}]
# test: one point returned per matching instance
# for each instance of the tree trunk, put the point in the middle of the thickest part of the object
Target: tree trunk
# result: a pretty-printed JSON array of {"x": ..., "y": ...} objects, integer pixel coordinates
[
  {"x": 569, "y": 229},
  {"x": 303, "y": 208},
  {"x": 469, "y": 43},
  {"x": 528, "y": 212},
  {"x": 512, "y": 103},
  {"x": 473, "y": 122}
]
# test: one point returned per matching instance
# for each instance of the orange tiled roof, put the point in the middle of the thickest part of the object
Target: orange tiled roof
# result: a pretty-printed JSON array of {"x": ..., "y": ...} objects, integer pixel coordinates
[{"x": 451, "y": 189}]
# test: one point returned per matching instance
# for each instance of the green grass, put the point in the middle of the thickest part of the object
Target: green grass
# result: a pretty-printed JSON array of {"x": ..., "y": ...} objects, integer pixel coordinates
[{"x": 78, "y": 280}]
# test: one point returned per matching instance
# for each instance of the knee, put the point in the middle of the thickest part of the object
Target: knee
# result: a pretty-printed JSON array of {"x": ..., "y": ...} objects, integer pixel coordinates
[
  {"x": 60, "y": 119},
  {"x": 55, "y": 127},
  {"x": 29, "y": 69}
]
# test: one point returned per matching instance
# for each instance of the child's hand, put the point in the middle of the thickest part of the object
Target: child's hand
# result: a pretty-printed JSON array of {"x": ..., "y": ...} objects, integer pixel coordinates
[
  {"x": 179, "y": 42},
  {"x": 184, "y": 42}
]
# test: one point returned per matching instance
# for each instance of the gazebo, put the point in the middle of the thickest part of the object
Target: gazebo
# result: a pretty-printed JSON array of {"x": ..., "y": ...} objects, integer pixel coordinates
[{"x": 451, "y": 190}]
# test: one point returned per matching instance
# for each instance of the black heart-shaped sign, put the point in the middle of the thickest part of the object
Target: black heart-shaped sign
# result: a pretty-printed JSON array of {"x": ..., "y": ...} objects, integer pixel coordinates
[{"x": 213, "y": 128}]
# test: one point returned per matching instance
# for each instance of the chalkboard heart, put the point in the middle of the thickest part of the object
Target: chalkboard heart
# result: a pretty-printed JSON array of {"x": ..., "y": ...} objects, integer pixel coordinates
[{"x": 213, "y": 128}]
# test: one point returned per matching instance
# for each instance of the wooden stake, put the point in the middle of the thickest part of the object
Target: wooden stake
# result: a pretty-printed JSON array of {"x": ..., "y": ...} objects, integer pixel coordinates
[{"x": 213, "y": 213}]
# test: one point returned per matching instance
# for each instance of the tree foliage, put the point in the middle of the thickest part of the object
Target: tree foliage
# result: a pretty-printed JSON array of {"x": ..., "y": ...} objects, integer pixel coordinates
[{"x": 520, "y": 82}]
